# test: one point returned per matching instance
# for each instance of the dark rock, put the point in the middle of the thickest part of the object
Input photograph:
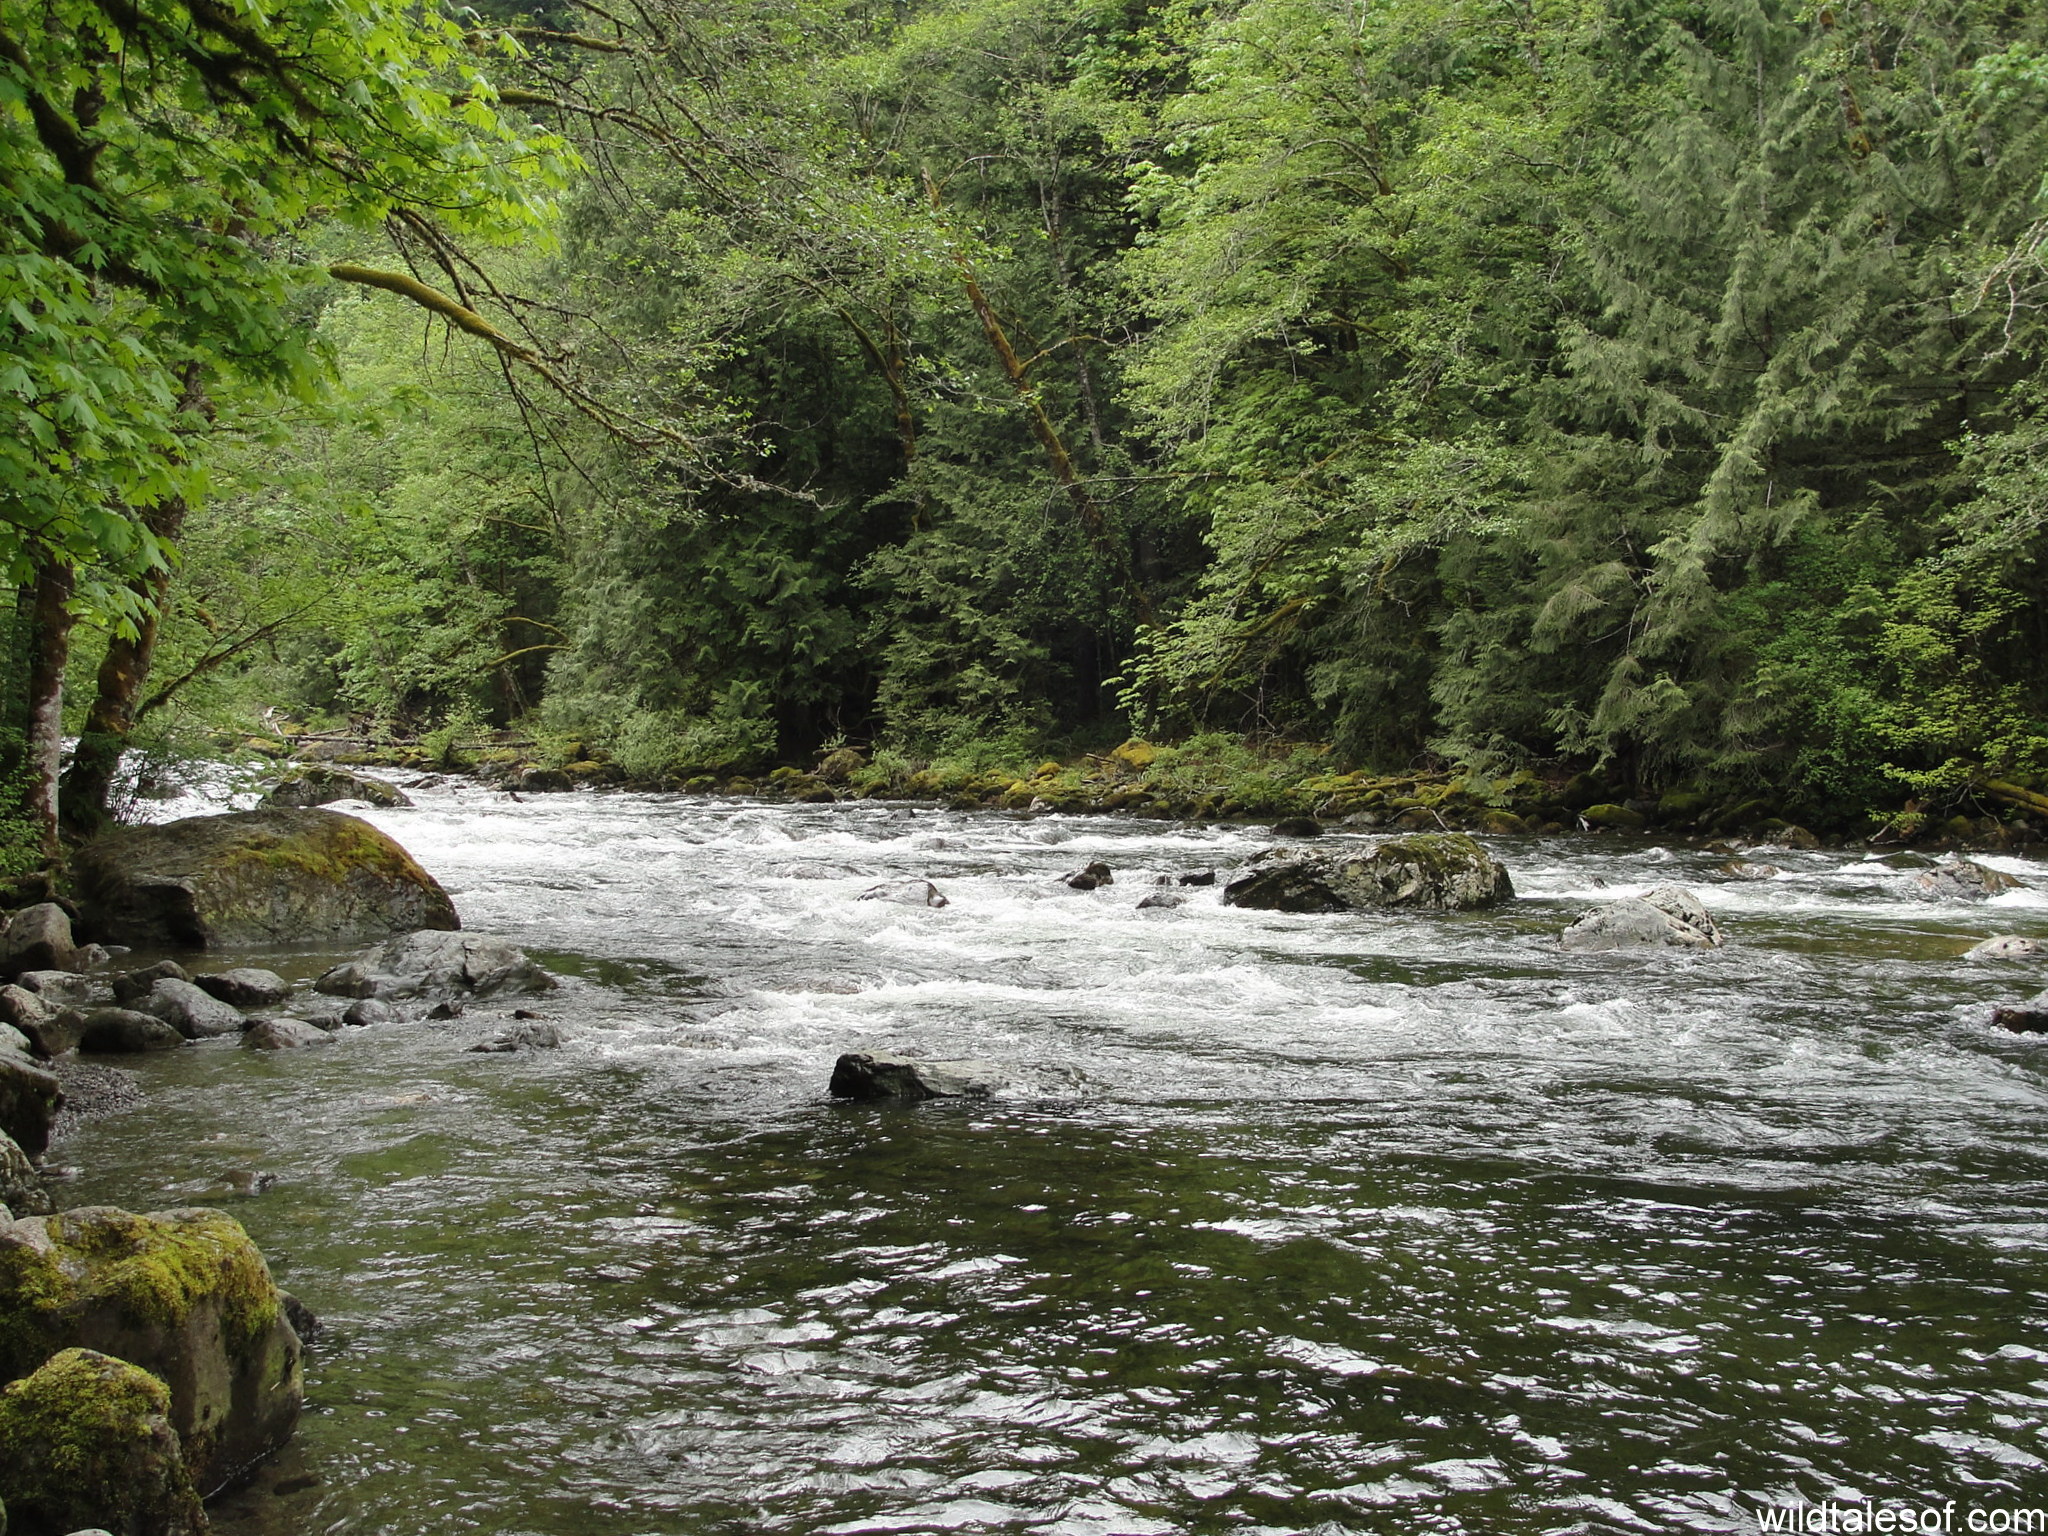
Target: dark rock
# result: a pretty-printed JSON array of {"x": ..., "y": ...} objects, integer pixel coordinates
[
  {"x": 126, "y": 1032},
  {"x": 131, "y": 986},
  {"x": 191, "y": 1012},
  {"x": 524, "y": 1013},
  {"x": 1091, "y": 876},
  {"x": 1619, "y": 817},
  {"x": 2031, "y": 1019},
  {"x": 1438, "y": 872},
  {"x": 184, "y": 1295},
  {"x": 365, "y": 1011},
  {"x": 449, "y": 1010},
  {"x": 21, "y": 1187},
  {"x": 283, "y": 1035},
  {"x": 437, "y": 964},
  {"x": 1297, "y": 826},
  {"x": 276, "y": 876},
  {"x": 1963, "y": 880},
  {"x": 1794, "y": 837},
  {"x": 2007, "y": 946},
  {"x": 38, "y": 938},
  {"x": 1162, "y": 899},
  {"x": 60, "y": 989},
  {"x": 245, "y": 987},
  {"x": 305, "y": 1323},
  {"x": 90, "y": 1442},
  {"x": 908, "y": 893},
  {"x": 324, "y": 786},
  {"x": 542, "y": 781},
  {"x": 859, "y": 1075},
  {"x": 1199, "y": 877},
  {"x": 1667, "y": 915},
  {"x": 530, "y": 1037},
  {"x": 29, "y": 1101}
]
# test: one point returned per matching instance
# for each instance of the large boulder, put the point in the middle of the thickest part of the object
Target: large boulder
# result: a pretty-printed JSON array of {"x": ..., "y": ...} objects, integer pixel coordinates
[
  {"x": 324, "y": 786},
  {"x": 183, "y": 1294},
  {"x": 861, "y": 1075},
  {"x": 1666, "y": 915},
  {"x": 1963, "y": 880},
  {"x": 29, "y": 1100},
  {"x": 284, "y": 1035},
  {"x": 90, "y": 1442},
  {"x": 195, "y": 1014},
  {"x": 126, "y": 1032},
  {"x": 245, "y": 987},
  {"x": 21, "y": 1188},
  {"x": 130, "y": 987},
  {"x": 434, "y": 964},
  {"x": 60, "y": 989},
  {"x": 38, "y": 938},
  {"x": 255, "y": 877},
  {"x": 1435, "y": 871}
]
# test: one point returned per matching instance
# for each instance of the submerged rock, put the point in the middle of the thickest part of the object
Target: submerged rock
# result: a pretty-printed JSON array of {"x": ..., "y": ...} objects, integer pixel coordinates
[
  {"x": 29, "y": 1101},
  {"x": 1667, "y": 915},
  {"x": 1434, "y": 871},
  {"x": 860, "y": 1075},
  {"x": 437, "y": 964},
  {"x": 283, "y": 1035},
  {"x": 1091, "y": 877},
  {"x": 325, "y": 786},
  {"x": 276, "y": 876},
  {"x": 907, "y": 893},
  {"x": 1161, "y": 899},
  {"x": 38, "y": 938},
  {"x": 2007, "y": 946},
  {"x": 533, "y": 1035},
  {"x": 2028, "y": 1018},
  {"x": 127, "y": 1032},
  {"x": 245, "y": 986},
  {"x": 90, "y": 1442},
  {"x": 1745, "y": 869},
  {"x": 1963, "y": 880},
  {"x": 192, "y": 1013},
  {"x": 182, "y": 1294}
]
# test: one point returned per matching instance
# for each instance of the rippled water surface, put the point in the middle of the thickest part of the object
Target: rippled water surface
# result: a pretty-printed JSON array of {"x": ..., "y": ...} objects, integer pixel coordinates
[{"x": 1288, "y": 1223}]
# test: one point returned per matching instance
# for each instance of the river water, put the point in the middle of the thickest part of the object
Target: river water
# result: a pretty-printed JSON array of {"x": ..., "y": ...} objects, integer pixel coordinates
[{"x": 1287, "y": 1224}]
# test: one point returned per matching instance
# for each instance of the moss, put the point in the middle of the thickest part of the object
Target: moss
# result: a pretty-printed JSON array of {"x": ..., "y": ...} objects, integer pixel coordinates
[
  {"x": 154, "y": 1269},
  {"x": 91, "y": 1443},
  {"x": 1617, "y": 816}
]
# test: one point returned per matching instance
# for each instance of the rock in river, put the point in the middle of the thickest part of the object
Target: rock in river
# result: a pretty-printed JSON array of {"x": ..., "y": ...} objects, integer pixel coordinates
[
  {"x": 2007, "y": 946},
  {"x": 184, "y": 1295},
  {"x": 283, "y": 1035},
  {"x": 276, "y": 876},
  {"x": 1435, "y": 871},
  {"x": 21, "y": 1187},
  {"x": 324, "y": 786},
  {"x": 38, "y": 938},
  {"x": 1963, "y": 880},
  {"x": 90, "y": 1443},
  {"x": 439, "y": 965},
  {"x": 1666, "y": 915},
  {"x": 858, "y": 1075},
  {"x": 192, "y": 1013},
  {"x": 908, "y": 893},
  {"x": 245, "y": 987},
  {"x": 126, "y": 1032}
]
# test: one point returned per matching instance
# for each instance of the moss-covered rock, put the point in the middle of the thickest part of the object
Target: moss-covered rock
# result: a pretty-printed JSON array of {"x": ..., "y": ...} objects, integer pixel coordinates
[
  {"x": 90, "y": 1443},
  {"x": 1618, "y": 817},
  {"x": 324, "y": 786},
  {"x": 1135, "y": 755},
  {"x": 1441, "y": 872},
  {"x": 274, "y": 876},
  {"x": 183, "y": 1294}
]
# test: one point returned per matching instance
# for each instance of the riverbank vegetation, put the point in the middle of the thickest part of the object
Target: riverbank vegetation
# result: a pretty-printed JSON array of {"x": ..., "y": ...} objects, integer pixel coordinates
[{"x": 1634, "y": 395}]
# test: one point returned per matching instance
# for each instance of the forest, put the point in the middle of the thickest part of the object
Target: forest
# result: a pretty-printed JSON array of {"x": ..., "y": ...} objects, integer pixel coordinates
[{"x": 1644, "y": 386}]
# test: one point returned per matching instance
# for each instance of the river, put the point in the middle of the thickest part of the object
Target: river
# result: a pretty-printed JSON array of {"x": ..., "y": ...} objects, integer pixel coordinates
[{"x": 1288, "y": 1224}]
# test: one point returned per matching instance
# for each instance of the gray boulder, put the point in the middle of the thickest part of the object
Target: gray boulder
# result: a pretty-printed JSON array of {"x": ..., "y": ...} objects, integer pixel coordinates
[
  {"x": 434, "y": 964},
  {"x": 21, "y": 1188},
  {"x": 132, "y": 986},
  {"x": 255, "y": 877},
  {"x": 29, "y": 1101},
  {"x": 60, "y": 989},
  {"x": 1161, "y": 899},
  {"x": 191, "y": 1012},
  {"x": 1963, "y": 880},
  {"x": 53, "y": 1033},
  {"x": 283, "y": 1035},
  {"x": 533, "y": 1035},
  {"x": 861, "y": 1075},
  {"x": 312, "y": 787},
  {"x": 38, "y": 938},
  {"x": 245, "y": 987},
  {"x": 14, "y": 1042},
  {"x": 2007, "y": 946},
  {"x": 907, "y": 893},
  {"x": 126, "y": 1032},
  {"x": 1444, "y": 871},
  {"x": 90, "y": 1442},
  {"x": 365, "y": 1011},
  {"x": 1664, "y": 916},
  {"x": 182, "y": 1294}
]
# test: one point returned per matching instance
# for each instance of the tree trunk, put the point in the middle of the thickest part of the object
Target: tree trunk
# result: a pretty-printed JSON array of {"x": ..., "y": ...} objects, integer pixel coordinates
[
  {"x": 89, "y": 780},
  {"x": 50, "y": 648}
]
